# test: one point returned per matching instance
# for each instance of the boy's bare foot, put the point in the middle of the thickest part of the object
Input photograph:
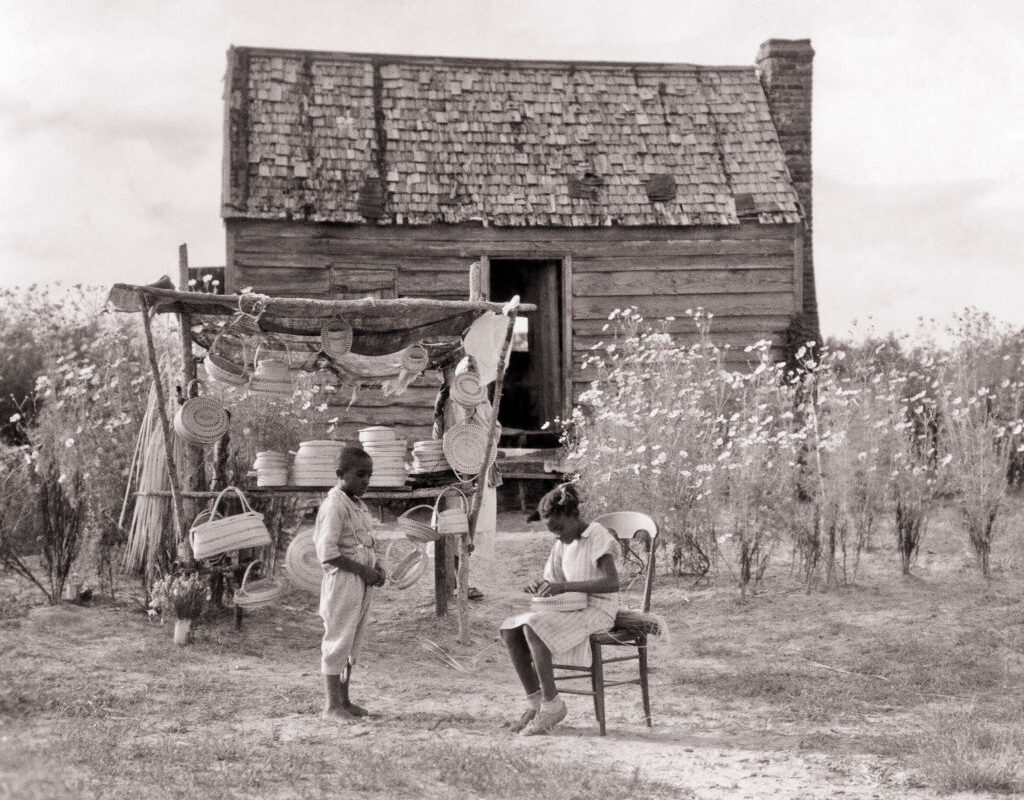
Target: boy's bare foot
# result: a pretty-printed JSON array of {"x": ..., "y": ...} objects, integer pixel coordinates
[
  {"x": 357, "y": 711},
  {"x": 338, "y": 714}
]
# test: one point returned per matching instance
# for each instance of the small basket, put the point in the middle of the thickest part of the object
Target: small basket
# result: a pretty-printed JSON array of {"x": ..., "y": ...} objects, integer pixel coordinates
[
  {"x": 201, "y": 419},
  {"x": 336, "y": 339},
  {"x": 403, "y": 571},
  {"x": 257, "y": 594},
  {"x": 466, "y": 390},
  {"x": 452, "y": 521},
  {"x": 301, "y": 566},
  {"x": 567, "y": 601},
  {"x": 414, "y": 358},
  {"x": 221, "y": 368},
  {"x": 416, "y": 530}
]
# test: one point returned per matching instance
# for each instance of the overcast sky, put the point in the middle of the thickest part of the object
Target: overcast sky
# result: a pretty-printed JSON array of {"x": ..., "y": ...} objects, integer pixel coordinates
[{"x": 111, "y": 116}]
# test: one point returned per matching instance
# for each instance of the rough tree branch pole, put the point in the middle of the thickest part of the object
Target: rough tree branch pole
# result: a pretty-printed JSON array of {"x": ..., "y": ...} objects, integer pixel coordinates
[{"x": 511, "y": 310}]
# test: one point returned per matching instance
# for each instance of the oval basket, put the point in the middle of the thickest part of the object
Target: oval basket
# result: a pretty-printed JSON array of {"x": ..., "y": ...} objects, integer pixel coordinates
[
  {"x": 466, "y": 390},
  {"x": 201, "y": 420},
  {"x": 464, "y": 446},
  {"x": 301, "y": 566},
  {"x": 416, "y": 530},
  {"x": 219, "y": 365},
  {"x": 256, "y": 594},
  {"x": 405, "y": 569},
  {"x": 336, "y": 338},
  {"x": 452, "y": 521},
  {"x": 567, "y": 601},
  {"x": 414, "y": 358}
]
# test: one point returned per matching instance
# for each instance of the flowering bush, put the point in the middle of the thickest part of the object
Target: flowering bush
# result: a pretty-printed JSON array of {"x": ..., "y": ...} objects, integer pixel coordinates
[{"x": 183, "y": 595}]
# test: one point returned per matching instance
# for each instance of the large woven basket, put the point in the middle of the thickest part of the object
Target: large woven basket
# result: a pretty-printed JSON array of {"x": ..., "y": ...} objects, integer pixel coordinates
[
  {"x": 404, "y": 569},
  {"x": 415, "y": 527},
  {"x": 336, "y": 338},
  {"x": 567, "y": 601},
  {"x": 221, "y": 534},
  {"x": 301, "y": 566},
  {"x": 256, "y": 594},
  {"x": 452, "y": 521},
  {"x": 201, "y": 420},
  {"x": 464, "y": 446}
]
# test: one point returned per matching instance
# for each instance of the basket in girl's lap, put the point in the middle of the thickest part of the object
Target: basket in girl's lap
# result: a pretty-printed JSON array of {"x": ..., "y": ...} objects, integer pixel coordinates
[
  {"x": 219, "y": 534},
  {"x": 567, "y": 601},
  {"x": 301, "y": 566},
  {"x": 256, "y": 594}
]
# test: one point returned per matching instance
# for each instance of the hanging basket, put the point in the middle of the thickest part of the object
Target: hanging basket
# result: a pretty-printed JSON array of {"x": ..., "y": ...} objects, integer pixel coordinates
[
  {"x": 418, "y": 530},
  {"x": 336, "y": 338},
  {"x": 464, "y": 446},
  {"x": 301, "y": 566},
  {"x": 214, "y": 535},
  {"x": 272, "y": 375},
  {"x": 414, "y": 358},
  {"x": 256, "y": 594},
  {"x": 404, "y": 563},
  {"x": 452, "y": 521},
  {"x": 219, "y": 366},
  {"x": 466, "y": 390},
  {"x": 201, "y": 419}
]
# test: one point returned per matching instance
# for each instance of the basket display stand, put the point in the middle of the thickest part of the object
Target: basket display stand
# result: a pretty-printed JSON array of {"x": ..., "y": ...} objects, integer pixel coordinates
[{"x": 162, "y": 297}]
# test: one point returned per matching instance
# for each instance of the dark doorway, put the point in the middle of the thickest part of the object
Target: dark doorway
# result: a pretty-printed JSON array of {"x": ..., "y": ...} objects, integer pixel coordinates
[{"x": 532, "y": 392}]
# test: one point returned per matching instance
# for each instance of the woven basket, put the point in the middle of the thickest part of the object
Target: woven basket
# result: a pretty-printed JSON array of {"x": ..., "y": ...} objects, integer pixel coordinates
[
  {"x": 416, "y": 530},
  {"x": 336, "y": 338},
  {"x": 404, "y": 570},
  {"x": 464, "y": 446},
  {"x": 452, "y": 521},
  {"x": 466, "y": 390},
  {"x": 201, "y": 420},
  {"x": 567, "y": 601},
  {"x": 301, "y": 566},
  {"x": 221, "y": 534},
  {"x": 414, "y": 358},
  {"x": 256, "y": 594},
  {"x": 219, "y": 366}
]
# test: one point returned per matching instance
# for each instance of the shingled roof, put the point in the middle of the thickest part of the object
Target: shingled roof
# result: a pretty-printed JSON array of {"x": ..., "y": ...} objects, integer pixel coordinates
[{"x": 407, "y": 140}]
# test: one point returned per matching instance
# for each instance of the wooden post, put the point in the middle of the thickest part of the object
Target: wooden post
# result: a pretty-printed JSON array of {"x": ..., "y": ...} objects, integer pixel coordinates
[
  {"x": 193, "y": 477},
  {"x": 185, "y": 553},
  {"x": 512, "y": 310}
]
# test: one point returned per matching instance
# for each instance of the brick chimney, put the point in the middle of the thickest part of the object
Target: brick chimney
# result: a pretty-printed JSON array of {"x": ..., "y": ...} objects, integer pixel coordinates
[{"x": 786, "y": 75}]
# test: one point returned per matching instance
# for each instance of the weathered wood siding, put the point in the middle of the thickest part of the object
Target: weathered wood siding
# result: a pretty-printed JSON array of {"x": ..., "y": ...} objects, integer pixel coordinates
[{"x": 744, "y": 275}]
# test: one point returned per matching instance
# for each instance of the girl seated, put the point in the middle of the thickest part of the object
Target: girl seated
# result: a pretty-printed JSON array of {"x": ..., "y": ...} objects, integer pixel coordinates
[{"x": 582, "y": 559}]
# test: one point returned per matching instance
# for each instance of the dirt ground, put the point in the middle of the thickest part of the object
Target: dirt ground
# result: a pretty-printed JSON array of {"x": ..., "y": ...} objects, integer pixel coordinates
[{"x": 788, "y": 695}]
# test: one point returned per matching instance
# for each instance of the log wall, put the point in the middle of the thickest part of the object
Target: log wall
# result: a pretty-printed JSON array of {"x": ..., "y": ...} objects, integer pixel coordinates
[{"x": 744, "y": 275}]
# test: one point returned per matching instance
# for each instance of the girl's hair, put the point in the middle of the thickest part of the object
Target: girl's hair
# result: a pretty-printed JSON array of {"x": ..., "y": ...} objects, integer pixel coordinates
[
  {"x": 563, "y": 499},
  {"x": 352, "y": 454}
]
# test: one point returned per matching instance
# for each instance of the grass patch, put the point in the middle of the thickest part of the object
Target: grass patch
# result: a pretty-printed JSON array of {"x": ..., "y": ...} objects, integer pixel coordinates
[{"x": 970, "y": 753}]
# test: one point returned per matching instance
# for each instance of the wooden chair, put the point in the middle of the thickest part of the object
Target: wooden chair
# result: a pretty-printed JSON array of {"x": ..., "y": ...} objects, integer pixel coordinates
[{"x": 636, "y": 533}]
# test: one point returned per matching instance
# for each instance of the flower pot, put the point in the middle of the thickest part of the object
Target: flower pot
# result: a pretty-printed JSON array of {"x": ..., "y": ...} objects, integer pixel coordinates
[{"x": 182, "y": 631}]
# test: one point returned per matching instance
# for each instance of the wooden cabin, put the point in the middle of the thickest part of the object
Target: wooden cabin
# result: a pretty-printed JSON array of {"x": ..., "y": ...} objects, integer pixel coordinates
[{"x": 582, "y": 187}]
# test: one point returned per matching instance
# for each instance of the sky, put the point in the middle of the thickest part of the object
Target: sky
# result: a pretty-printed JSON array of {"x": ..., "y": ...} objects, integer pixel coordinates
[{"x": 111, "y": 118}]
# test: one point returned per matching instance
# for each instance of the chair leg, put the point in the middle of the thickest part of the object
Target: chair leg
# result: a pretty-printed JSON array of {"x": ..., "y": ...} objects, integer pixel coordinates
[
  {"x": 597, "y": 683},
  {"x": 645, "y": 693}
]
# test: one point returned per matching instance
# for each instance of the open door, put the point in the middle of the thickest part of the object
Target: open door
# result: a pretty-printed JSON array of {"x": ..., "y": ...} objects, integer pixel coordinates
[{"x": 532, "y": 392}]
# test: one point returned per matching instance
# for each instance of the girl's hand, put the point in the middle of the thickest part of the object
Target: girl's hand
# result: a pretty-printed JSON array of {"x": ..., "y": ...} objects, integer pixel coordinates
[
  {"x": 533, "y": 586},
  {"x": 549, "y": 588},
  {"x": 381, "y": 575}
]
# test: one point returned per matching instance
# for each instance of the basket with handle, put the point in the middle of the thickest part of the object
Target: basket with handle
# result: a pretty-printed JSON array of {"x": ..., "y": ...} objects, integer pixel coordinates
[
  {"x": 418, "y": 530},
  {"x": 452, "y": 521},
  {"x": 200, "y": 419},
  {"x": 301, "y": 566},
  {"x": 221, "y": 368},
  {"x": 256, "y": 594},
  {"x": 272, "y": 371},
  {"x": 336, "y": 338},
  {"x": 220, "y": 534},
  {"x": 404, "y": 563}
]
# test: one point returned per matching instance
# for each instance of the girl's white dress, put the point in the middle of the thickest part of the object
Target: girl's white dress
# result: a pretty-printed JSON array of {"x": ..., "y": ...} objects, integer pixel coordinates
[
  {"x": 567, "y": 633},
  {"x": 344, "y": 526}
]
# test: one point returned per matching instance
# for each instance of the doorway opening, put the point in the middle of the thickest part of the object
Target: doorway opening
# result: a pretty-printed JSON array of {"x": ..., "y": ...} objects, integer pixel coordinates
[{"x": 532, "y": 392}]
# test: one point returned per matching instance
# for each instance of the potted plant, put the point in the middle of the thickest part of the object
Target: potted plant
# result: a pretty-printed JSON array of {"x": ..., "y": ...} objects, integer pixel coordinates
[{"x": 182, "y": 596}]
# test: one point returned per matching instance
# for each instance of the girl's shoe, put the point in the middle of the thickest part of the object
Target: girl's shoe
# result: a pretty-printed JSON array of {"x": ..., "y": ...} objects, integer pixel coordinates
[
  {"x": 544, "y": 721},
  {"x": 517, "y": 725}
]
